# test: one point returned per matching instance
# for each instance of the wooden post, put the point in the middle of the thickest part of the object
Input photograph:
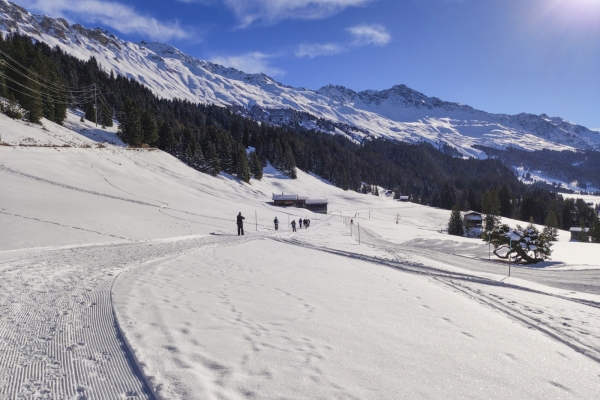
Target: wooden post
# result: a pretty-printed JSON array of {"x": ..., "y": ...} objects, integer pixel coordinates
[{"x": 509, "y": 251}]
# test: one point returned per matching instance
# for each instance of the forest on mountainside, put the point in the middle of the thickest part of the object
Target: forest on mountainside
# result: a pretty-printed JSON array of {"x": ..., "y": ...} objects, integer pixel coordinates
[
  {"x": 564, "y": 166},
  {"x": 46, "y": 81}
]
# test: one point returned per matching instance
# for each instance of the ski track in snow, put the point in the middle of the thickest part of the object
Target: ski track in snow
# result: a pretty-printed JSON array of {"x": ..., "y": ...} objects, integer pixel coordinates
[
  {"x": 59, "y": 338},
  {"x": 579, "y": 330},
  {"x": 573, "y": 323},
  {"x": 93, "y": 192}
]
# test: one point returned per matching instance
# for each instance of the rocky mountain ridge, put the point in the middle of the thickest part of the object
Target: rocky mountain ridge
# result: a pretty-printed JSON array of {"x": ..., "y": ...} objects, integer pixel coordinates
[{"x": 398, "y": 113}]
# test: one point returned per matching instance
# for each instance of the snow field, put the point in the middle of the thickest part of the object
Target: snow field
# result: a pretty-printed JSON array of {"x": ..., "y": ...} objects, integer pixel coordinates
[
  {"x": 198, "y": 323},
  {"x": 268, "y": 320}
]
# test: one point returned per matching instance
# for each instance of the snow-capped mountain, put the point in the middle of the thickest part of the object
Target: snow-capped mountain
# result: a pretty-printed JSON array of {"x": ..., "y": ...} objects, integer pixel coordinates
[{"x": 398, "y": 113}]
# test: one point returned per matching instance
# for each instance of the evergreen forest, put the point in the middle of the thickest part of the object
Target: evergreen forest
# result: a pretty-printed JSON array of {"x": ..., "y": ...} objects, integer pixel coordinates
[{"x": 45, "y": 82}]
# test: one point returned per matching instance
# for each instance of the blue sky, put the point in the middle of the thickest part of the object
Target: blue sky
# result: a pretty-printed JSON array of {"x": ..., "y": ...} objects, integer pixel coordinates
[{"x": 503, "y": 56}]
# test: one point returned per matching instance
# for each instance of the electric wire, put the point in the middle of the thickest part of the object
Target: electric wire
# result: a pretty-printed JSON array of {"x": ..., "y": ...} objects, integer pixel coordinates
[
  {"x": 36, "y": 74},
  {"x": 50, "y": 98},
  {"x": 52, "y": 92}
]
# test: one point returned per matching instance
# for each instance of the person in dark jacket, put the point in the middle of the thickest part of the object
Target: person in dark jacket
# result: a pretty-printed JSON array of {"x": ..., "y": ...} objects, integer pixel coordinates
[
  {"x": 293, "y": 225},
  {"x": 240, "y": 224},
  {"x": 276, "y": 222},
  {"x": 300, "y": 223}
]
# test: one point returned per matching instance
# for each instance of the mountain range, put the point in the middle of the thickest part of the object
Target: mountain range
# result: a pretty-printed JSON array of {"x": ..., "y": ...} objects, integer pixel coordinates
[{"x": 399, "y": 113}]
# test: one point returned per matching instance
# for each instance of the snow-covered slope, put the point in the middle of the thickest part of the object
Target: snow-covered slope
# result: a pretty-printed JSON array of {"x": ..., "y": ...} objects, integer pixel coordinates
[
  {"x": 398, "y": 113},
  {"x": 122, "y": 277}
]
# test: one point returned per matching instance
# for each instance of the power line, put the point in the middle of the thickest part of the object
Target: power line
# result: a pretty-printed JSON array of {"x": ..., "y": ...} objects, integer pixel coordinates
[
  {"x": 48, "y": 96},
  {"x": 36, "y": 74}
]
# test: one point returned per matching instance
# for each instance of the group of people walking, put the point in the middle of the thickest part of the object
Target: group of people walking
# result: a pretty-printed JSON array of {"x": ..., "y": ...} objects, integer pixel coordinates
[
  {"x": 301, "y": 221},
  {"x": 240, "y": 223}
]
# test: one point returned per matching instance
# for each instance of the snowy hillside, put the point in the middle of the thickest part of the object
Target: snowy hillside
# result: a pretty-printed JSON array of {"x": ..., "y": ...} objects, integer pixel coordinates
[
  {"x": 123, "y": 277},
  {"x": 399, "y": 113}
]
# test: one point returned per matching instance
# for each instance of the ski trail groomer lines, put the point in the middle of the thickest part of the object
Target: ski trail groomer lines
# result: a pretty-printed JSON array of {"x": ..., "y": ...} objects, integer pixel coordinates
[{"x": 240, "y": 223}]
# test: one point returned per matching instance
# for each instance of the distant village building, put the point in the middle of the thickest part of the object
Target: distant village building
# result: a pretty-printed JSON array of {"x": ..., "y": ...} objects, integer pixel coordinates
[
  {"x": 293, "y": 200},
  {"x": 403, "y": 198},
  {"x": 284, "y": 200},
  {"x": 473, "y": 223},
  {"x": 317, "y": 205},
  {"x": 576, "y": 233}
]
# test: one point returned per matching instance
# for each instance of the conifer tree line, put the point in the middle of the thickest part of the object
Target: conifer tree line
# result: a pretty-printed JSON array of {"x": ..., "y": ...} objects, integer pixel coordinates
[{"x": 213, "y": 139}]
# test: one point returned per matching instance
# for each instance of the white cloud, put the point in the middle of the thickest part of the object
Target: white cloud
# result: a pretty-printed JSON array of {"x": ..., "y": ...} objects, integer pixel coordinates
[
  {"x": 116, "y": 15},
  {"x": 312, "y": 50},
  {"x": 270, "y": 11},
  {"x": 364, "y": 35},
  {"x": 370, "y": 34},
  {"x": 251, "y": 63}
]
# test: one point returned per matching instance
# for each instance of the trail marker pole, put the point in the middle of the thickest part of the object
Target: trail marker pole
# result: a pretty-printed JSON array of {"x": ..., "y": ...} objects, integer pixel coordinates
[
  {"x": 509, "y": 253},
  {"x": 96, "y": 105},
  {"x": 359, "y": 233},
  {"x": 489, "y": 248}
]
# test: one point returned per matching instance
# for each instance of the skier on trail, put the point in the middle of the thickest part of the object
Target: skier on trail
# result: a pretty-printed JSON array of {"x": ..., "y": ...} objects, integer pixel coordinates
[
  {"x": 240, "y": 224},
  {"x": 276, "y": 222},
  {"x": 293, "y": 225},
  {"x": 300, "y": 222}
]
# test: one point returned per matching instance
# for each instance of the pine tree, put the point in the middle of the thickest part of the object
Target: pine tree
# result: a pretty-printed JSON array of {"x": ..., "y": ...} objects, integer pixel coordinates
[
  {"x": 246, "y": 136},
  {"x": 595, "y": 229},
  {"x": 60, "y": 111},
  {"x": 490, "y": 206},
  {"x": 521, "y": 245},
  {"x": 130, "y": 127},
  {"x": 166, "y": 139},
  {"x": 243, "y": 171},
  {"x": 212, "y": 160},
  {"x": 149, "y": 128},
  {"x": 288, "y": 164},
  {"x": 255, "y": 165},
  {"x": 33, "y": 103},
  {"x": 106, "y": 116},
  {"x": 21, "y": 83},
  {"x": 90, "y": 112},
  {"x": 447, "y": 197},
  {"x": 505, "y": 201},
  {"x": 551, "y": 227},
  {"x": 455, "y": 224}
]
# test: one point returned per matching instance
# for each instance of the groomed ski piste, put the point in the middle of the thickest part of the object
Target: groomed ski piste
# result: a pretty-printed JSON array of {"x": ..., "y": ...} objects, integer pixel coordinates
[{"x": 123, "y": 277}]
